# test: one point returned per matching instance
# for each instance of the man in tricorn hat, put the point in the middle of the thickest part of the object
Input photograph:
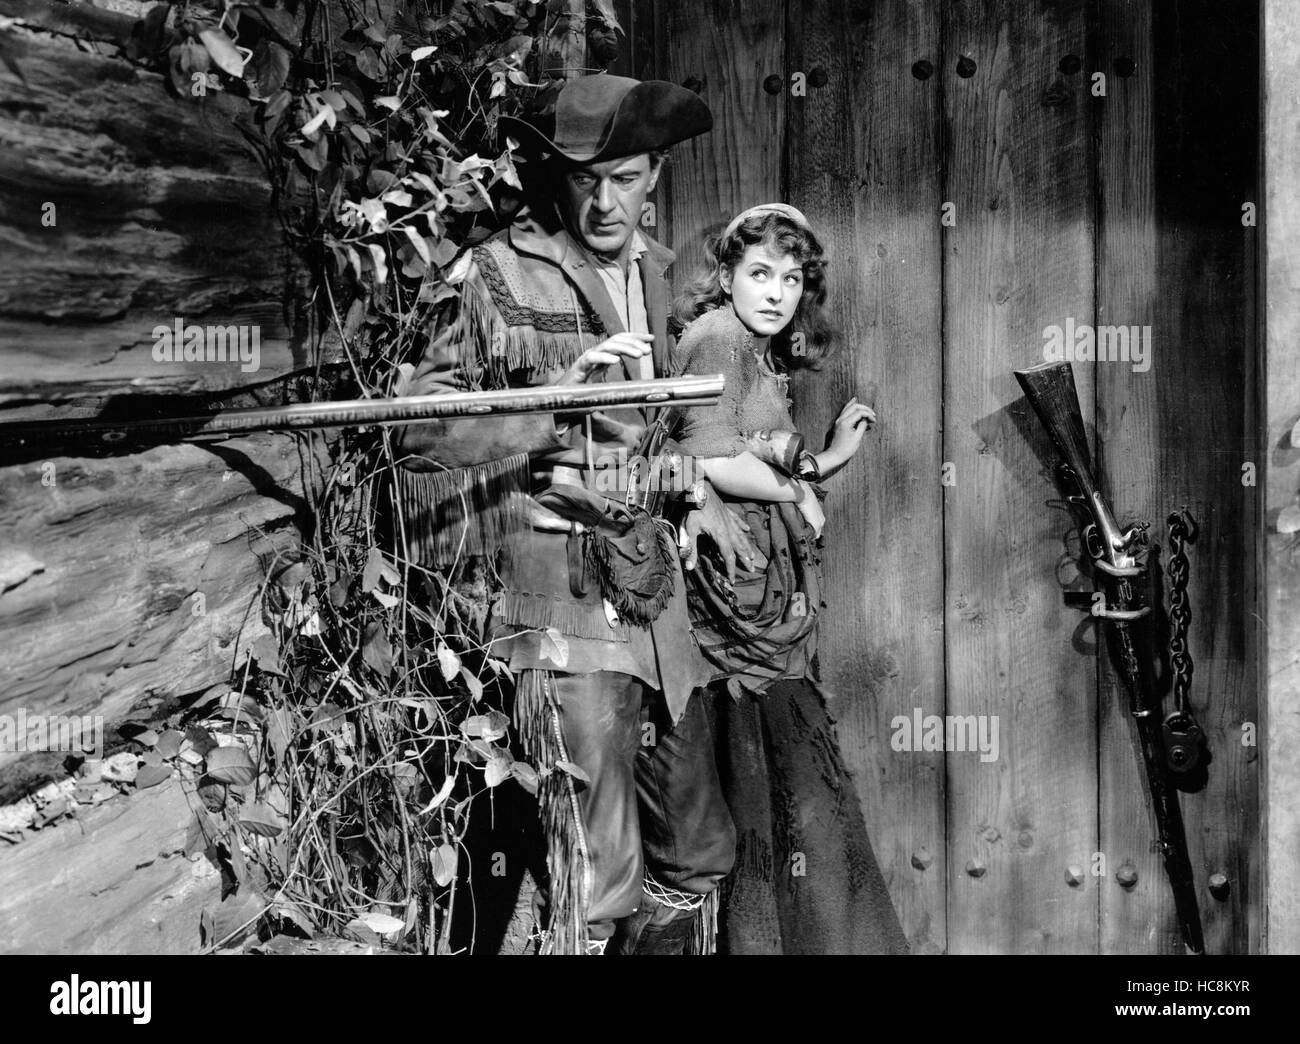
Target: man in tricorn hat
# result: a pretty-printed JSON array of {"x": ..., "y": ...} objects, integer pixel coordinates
[{"x": 573, "y": 291}]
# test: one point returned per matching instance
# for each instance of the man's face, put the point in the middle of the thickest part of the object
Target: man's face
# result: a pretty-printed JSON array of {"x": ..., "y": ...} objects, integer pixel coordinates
[{"x": 602, "y": 201}]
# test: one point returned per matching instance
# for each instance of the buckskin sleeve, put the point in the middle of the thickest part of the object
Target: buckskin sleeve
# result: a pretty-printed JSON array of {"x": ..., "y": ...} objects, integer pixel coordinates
[{"x": 463, "y": 483}]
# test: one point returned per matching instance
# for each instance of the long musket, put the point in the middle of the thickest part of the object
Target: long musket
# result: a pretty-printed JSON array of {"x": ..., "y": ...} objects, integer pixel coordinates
[
  {"x": 578, "y": 398},
  {"x": 1120, "y": 560}
]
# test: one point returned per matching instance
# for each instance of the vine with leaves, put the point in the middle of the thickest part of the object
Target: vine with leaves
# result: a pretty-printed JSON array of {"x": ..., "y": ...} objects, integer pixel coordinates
[{"x": 337, "y": 770}]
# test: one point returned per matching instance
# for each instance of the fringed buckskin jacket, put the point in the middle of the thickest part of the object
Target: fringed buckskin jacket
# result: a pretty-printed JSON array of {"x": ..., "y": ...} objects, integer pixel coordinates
[{"x": 530, "y": 304}]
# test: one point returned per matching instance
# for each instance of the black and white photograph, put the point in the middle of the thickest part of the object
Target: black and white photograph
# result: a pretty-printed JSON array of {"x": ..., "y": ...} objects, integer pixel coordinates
[{"x": 650, "y": 477}]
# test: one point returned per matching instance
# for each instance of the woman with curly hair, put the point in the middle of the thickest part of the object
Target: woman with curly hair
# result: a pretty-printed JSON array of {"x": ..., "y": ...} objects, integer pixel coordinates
[{"x": 806, "y": 879}]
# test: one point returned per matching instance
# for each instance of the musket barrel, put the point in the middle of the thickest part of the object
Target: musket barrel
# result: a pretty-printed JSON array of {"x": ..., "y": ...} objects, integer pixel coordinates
[{"x": 579, "y": 398}]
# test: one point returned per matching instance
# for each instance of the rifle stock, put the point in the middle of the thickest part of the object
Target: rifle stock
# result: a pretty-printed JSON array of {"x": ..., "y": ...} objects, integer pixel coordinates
[{"x": 1050, "y": 390}]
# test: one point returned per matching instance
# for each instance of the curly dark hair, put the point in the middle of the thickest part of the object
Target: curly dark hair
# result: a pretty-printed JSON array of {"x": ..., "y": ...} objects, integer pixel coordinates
[{"x": 782, "y": 237}]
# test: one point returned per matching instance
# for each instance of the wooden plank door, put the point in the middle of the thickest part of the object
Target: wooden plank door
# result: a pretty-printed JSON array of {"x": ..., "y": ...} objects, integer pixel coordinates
[{"x": 867, "y": 175}]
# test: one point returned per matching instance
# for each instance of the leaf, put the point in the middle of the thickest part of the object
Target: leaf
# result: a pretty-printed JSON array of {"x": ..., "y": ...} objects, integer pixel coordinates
[
  {"x": 358, "y": 931},
  {"x": 231, "y": 765},
  {"x": 423, "y": 180},
  {"x": 386, "y": 600},
  {"x": 236, "y": 705},
  {"x": 375, "y": 213},
  {"x": 1288, "y": 520},
  {"x": 442, "y": 860},
  {"x": 448, "y": 662},
  {"x": 505, "y": 171},
  {"x": 314, "y": 124},
  {"x": 380, "y": 262},
  {"x": 373, "y": 571},
  {"x": 149, "y": 738},
  {"x": 573, "y": 770},
  {"x": 295, "y": 915},
  {"x": 315, "y": 155},
  {"x": 279, "y": 733},
  {"x": 267, "y": 70},
  {"x": 417, "y": 241},
  {"x": 280, "y": 23},
  {"x": 405, "y": 776},
  {"x": 379, "y": 180},
  {"x": 473, "y": 684},
  {"x": 488, "y": 727},
  {"x": 421, "y": 53},
  {"x": 382, "y": 923},
  {"x": 555, "y": 647},
  {"x": 151, "y": 776},
  {"x": 376, "y": 651},
  {"x": 266, "y": 651},
  {"x": 526, "y": 775},
  {"x": 460, "y": 269},
  {"x": 169, "y": 743},
  {"x": 202, "y": 833},
  {"x": 238, "y": 913},
  {"x": 328, "y": 715},
  {"x": 262, "y": 820},
  {"x": 444, "y": 792},
  {"x": 369, "y": 65},
  {"x": 389, "y": 101},
  {"x": 498, "y": 769},
  {"x": 212, "y": 794},
  {"x": 277, "y": 103},
  {"x": 222, "y": 50}
]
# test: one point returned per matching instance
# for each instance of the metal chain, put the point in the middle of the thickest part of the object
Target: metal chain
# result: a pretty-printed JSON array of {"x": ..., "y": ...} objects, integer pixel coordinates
[{"x": 1182, "y": 531}]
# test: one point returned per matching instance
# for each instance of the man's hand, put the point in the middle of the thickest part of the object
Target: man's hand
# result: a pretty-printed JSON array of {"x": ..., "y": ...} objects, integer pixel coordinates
[
  {"x": 728, "y": 530},
  {"x": 626, "y": 345}
]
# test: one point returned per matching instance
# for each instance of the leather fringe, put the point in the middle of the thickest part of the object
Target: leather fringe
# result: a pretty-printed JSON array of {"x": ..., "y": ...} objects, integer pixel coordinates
[
  {"x": 706, "y": 926},
  {"x": 541, "y": 611},
  {"x": 511, "y": 341},
  {"x": 568, "y": 862},
  {"x": 469, "y": 511},
  {"x": 526, "y": 348}
]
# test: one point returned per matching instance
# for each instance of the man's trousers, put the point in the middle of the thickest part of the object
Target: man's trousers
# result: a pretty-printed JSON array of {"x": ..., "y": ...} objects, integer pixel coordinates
[{"x": 654, "y": 801}]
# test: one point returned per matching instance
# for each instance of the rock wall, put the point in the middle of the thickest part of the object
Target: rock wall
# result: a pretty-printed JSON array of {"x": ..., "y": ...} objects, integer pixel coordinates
[{"x": 128, "y": 580}]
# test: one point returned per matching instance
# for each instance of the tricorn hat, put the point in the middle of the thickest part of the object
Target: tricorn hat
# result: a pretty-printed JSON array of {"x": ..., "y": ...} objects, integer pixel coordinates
[{"x": 603, "y": 117}]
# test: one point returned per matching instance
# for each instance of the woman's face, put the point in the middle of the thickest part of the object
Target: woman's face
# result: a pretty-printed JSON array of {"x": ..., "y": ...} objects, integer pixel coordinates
[{"x": 765, "y": 289}]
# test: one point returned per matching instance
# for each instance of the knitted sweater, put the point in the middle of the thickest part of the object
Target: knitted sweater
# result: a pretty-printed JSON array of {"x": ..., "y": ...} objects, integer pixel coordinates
[{"x": 753, "y": 399}]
